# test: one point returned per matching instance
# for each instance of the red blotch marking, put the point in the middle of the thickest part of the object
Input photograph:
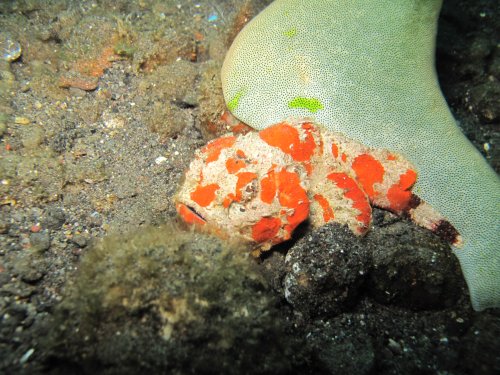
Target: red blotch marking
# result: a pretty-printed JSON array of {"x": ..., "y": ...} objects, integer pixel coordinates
[
  {"x": 286, "y": 137},
  {"x": 233, "y": 165},
  {"x": 266, "y": 229},
  {"x": 391, "y": 157},
  {"x": 214, "y": 148},
  {"x": 368, "y": 172},
  {"x": 268, "y": 187},
  {"x": 399, "y": 194},
  {"x": 335, "y": 150},
  {"x": 292, "y": 195},
  {"x": 358, "y": 197},
  {"x": 325, "y": 205},
  {"x": 228, "y": 200},
  {"x": 204, "y": 195},
  {"x": 240, "y": 154},
  {"x": 344, "y": 157},
  {"x": 188, "y": 215}
]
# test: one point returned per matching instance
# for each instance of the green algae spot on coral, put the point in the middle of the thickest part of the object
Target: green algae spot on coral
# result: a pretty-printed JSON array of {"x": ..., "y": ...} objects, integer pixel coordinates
[
  {"x": 290, "y": 33},
  {"x": 311, "y": 104},
  {"x": 233, "y": 103}
]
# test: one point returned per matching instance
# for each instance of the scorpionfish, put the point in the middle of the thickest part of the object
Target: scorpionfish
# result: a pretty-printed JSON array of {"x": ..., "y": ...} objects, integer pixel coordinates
[{"x": 258, "y": 187}]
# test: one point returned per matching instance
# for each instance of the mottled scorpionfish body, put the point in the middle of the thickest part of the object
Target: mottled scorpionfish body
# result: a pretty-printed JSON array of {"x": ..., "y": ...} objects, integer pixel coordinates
[{"x": 260, "y": 186}]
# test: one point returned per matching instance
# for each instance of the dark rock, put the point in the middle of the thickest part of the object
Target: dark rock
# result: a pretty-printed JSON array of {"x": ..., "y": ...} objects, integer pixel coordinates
[
  {"x": 413, "y": 268},
  {"x": 40, "y": 241},
  {"x": 325, "y": 271},
  {"x": 54, "y": 218},
  {"x": 29, "y": 266},
  {"x": 79, "y": 240}
]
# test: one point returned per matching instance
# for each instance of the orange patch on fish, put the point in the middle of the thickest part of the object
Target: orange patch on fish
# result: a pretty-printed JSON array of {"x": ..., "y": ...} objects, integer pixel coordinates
[
  {"x": 266, "y": 229},
  {"x": 214, "y": 148},
  {"x": 204, "y": 195},
  {"x": 287, "y": 139},
  {"x": 399, "y": 194},
  {"x": 368, "y": 172},
  {"x": 325, "y": 206},
  {"x": 233, "y": 165},
  {"x": 353, "y": 192},
  {"x": 335, "y": 150}
]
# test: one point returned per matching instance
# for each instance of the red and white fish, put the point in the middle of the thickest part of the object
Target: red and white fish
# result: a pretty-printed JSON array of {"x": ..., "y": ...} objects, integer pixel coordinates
[{"x": 258, "y": 187}]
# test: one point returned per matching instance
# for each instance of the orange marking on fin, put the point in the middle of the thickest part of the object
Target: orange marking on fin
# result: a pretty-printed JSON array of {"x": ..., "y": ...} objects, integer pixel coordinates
[
  {"x": 286, "y": 137},
  {"x": 358, "y": 197},
  {"x": 265, "y": 229},
  {"x": 204, "y": 195},
  {"x": 368, "y": 172},
  {"x": 292, "y": 195},
  {"x": 325, "y": 205},
  {"x": 399, "y": 194},
  {"x": 214, "y": 148},
  {"x": 188, "y": 215},
  {"x": 408, "y": 179}
]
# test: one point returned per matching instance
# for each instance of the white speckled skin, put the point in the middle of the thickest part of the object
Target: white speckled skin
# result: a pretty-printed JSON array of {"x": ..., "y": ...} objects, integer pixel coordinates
[{"x": 370, "y": 65}]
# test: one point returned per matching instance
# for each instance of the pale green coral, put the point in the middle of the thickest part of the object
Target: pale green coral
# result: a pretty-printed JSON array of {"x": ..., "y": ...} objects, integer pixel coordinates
[{"x": 370, "y": 63}]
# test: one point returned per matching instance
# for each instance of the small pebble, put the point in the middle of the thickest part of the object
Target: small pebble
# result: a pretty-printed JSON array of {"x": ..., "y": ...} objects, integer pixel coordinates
[
  {"x": 212, "y": 17},
  {"x": 394, "y": 347},
  {"x": 35, "y": 228},
  {"x": 79, "y": 240},
  {"x": 26, "y": 356},
  {"x": 10, "y": 49},
  {"x": 40, "y": 241},
  {"x": 22, "y": 120},
  {"x": 160, "y": 159},
  {"x": 54, "y": 218}
]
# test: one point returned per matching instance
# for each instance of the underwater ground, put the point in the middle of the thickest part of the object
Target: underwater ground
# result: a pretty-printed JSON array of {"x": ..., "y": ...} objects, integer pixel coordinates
[{"x": 102, "y": 104}]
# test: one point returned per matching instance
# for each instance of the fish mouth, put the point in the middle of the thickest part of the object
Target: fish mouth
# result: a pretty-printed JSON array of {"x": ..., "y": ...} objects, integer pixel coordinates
[{"x": 189, "y": 214}]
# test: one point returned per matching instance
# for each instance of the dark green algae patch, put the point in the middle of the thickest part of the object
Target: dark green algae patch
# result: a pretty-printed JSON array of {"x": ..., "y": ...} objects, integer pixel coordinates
[{"x": 164, "y": 300}]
